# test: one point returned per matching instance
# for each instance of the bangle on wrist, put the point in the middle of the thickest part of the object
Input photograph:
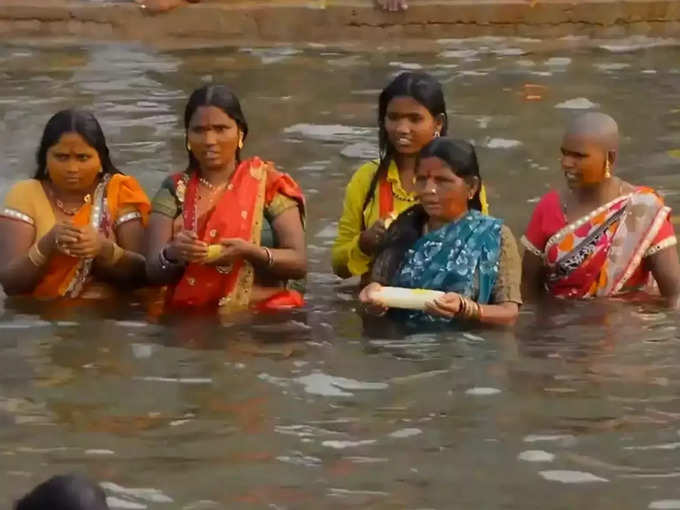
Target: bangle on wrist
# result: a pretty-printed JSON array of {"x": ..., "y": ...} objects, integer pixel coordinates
[
  {"x": 270, "y": 257},
  {"x": 36, "y": 256},
  {"x": 166, "y": 262}
]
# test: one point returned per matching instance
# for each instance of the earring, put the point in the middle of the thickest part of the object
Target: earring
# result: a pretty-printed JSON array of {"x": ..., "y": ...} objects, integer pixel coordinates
[
  {"x": 436, "y": 134},
  {"x": 188, "y": 146},
  {"x": 607, "y": 170},
  {"x": 240, "y": 143}
]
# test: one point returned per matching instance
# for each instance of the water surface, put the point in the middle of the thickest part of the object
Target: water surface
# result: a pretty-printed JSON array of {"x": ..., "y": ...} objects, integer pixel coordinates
[{"x": 579, "y": 404}]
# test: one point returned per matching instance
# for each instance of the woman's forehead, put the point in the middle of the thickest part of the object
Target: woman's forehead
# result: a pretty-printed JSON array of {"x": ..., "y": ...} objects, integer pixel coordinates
[{"x": 210, "y": 115}]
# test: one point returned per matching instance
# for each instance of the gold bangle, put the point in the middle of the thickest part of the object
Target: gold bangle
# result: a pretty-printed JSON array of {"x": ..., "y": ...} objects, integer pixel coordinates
[
  {"x": 36, "y": 256},
  {"x": 270, "y": 257}
]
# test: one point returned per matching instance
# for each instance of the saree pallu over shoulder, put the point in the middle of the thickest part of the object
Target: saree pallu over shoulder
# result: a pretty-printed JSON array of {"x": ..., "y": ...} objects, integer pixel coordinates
[
  {"x": 460, "y": 257},
  {"x": 601, "y": 253},
  {"x": 117, "y": 198},
  {"x": 239, "y": 213}
]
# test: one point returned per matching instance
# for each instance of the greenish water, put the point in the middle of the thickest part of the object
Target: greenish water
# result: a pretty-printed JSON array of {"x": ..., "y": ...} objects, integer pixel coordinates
[{"x": 578, "y": 405}]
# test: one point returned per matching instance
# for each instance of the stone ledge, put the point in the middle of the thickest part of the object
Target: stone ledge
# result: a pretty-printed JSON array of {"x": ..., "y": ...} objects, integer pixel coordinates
[{"x": 318, "y": 21}]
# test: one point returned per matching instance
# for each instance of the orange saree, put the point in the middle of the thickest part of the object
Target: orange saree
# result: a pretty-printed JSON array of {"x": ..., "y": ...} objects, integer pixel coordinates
[
  {"x": 238, "y": 213},
  {"x": 115, "y": 197}
]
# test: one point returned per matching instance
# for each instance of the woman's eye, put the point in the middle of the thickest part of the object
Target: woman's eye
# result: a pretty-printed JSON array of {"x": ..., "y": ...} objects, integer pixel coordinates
[{"x": 83, "y": 157}]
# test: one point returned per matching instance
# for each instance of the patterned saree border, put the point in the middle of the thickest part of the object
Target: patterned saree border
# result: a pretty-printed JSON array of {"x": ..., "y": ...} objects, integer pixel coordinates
[{"x": 575, "y": 225}]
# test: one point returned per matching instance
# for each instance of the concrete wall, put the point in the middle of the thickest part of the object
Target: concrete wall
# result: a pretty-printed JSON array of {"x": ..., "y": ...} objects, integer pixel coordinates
[{"x": 329, "y": 20}]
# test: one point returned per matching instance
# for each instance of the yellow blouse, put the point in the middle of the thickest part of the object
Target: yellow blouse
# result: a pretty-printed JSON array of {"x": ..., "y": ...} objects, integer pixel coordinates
[{"x": 347, "y": 257}]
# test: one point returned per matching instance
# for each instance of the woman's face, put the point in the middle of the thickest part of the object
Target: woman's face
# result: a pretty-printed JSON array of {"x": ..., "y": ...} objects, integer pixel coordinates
[
  {"x": 443, "y": 194},
  {"x": 409, "y": 125},
  {"x": 213, "y": 137},
  {"x": 583, "y": 161},
  {"x": 72, "y": 164}
]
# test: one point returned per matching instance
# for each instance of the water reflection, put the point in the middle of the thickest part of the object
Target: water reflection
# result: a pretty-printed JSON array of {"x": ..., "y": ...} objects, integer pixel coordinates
[{"x": 310, "y": 410}]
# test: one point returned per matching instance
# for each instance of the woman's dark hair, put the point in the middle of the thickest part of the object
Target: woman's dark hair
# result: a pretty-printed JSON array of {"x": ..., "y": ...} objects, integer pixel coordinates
[
  {"x": 82, "y": 122},
  {"x": 458, "y": 155},
  {"x": 64, "y": 492},
  {"x": 420, "y": 86},
  {"x": 461, "y": 158},
  {"x": 221, "y": 97}
]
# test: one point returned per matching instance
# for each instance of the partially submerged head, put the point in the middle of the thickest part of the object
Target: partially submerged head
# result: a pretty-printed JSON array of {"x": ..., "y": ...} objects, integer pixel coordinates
[
  {"x": 411, "y": 112},
  {"x": 589, "y": 149},
  {"x": 215, "y": 128},
  {"x": 73, "y": 151},
  {"x": 448, "y": 182},
  {"x": 64, "y": 492}
]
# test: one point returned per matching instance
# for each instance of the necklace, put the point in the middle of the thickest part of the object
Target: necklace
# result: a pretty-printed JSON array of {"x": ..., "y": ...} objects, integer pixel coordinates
[
  {"x": 207, "y": 183},
  {"x": 68, "y": 211}
]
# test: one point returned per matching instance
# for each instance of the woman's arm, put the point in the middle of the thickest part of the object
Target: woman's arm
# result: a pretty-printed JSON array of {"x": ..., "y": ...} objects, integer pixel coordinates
[
  {"x": 453, "y": 306},
  {"x": 289, "y": 260},
  {"x": 122, "y": 261},
  {"x": 18, "y": 274},
  {"x": 665, "y": 268},
  {"x": 158, "y": 235},
  {"x": 347, "y": 256},
  {"x": 532, "y": 277}
]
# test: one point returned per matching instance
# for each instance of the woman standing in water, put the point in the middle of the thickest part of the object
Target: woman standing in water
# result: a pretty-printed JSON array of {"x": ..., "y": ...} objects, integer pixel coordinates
[
  {"x": 445, "y": 243},
  {"x": 601, "y": 236},
  {"x": 411, "y": 113},
  {"x": 78, "y": 225},
  {"x": 226, "y": 233}
]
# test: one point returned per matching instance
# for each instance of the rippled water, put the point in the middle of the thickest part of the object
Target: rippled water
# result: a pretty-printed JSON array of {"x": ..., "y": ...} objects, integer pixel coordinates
[{"x": 578, "y": 405}]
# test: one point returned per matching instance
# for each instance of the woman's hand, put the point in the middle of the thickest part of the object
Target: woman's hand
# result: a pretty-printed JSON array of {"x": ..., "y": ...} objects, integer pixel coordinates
[
  {"x": 81, "y": 242},
  {"x": 88, "y": 244},
  {"x": 234, "y": 248},
  {"x": 370, "y": 239},
  {"x": 368, "y": 297},
  {"x": 447, "y": 306},
  {"x": 186, "y": 248}
]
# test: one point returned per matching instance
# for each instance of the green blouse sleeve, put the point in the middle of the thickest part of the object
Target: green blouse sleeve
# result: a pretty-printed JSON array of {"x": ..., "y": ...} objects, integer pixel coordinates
[{"x": 165, "y": 202}]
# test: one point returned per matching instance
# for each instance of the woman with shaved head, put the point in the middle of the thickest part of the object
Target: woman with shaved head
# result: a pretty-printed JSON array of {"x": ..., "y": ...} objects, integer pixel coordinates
[{"x": 601, "y": 236}]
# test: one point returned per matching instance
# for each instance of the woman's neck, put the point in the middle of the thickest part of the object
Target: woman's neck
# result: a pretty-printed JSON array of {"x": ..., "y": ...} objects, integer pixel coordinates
[
  {"x": 218, "y": 176},
  {"x": 596, "y": 196},
  {"x": 437, "y": 223},
  {"x": 406, "y": 164},
  {"x": 68, "y": 196}
]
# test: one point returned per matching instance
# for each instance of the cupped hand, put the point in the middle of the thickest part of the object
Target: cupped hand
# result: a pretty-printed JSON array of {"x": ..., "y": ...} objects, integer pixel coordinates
[
  {"x": 232, "y": 249},
  {"x": 447, "y": 306},
  {"x": 187, "y": 248},
  {"x": 368, "y": 296}
]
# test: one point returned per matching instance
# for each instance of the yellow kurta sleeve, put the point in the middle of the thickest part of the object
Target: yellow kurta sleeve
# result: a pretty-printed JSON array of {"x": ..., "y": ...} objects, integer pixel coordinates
[{"x": 347, "y": 257}]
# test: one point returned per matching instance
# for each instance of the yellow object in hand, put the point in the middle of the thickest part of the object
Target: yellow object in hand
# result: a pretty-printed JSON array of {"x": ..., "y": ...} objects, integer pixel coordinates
[{"x": 214, "y": 253}]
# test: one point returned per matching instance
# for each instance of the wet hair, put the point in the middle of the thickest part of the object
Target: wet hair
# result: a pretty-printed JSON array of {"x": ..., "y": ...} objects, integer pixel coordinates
[
  {"x": 82, "y": 122},
  {"x": 219, "y": 96},
  {"x": 461, "y": 158},
  {"x": 64, "y": 492},
  {"x": 423, "y": 88}
]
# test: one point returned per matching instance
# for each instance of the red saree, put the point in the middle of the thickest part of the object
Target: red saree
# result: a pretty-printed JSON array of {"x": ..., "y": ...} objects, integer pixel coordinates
[
  {"x": 239, "y": 212},
  {"x": 602, "y": 253}
]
